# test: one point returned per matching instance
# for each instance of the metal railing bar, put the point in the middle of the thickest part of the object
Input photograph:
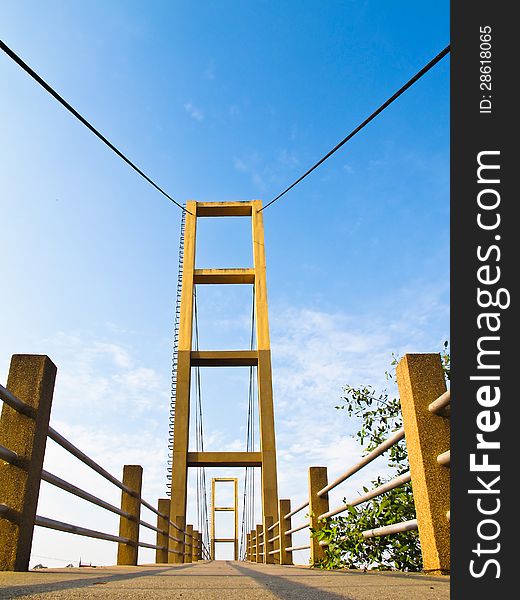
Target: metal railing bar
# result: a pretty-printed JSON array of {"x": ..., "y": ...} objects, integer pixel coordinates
[
  {"x": 396, "y": 437},
  {"x": 389, "y": 529},
  {"x": 6, "y": 512},
  {"x": 76, "y": 491},
  {"x": 274, "y": 551},
  {"x": 444, "y": 458},
  {"x": 175, "y": 526},
  {"x": 295, "y": 548},
  {"x": 442, "y": 402},
  {"x": 14, "y": 402},
  {"x": 276, "y": 537},
  {"x": 152, "y": 546},
  {"x": 386, "y": 487},
  {"x": 154, "y": 510},
  {"x": 12, "y": 458},
  {"x": 296, "y": 510},
  {"x": 273, "y": 526},
  {"x": 64, "y": 443},
  {"x": 152, "y": 527},
  {"x": 448, "y": 515},
  {"x": 68, "y": 528},
  {"x": 294, "y": 529}
]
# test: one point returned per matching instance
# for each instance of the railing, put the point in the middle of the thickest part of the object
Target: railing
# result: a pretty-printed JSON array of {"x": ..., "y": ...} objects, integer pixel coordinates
[
  {"x": 425, "y": 410},
  {"x": 24, "y": 428}
]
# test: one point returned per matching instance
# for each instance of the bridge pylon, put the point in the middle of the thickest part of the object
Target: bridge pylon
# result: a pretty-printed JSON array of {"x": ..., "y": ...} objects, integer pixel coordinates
[{"x": 188, "y": 358}]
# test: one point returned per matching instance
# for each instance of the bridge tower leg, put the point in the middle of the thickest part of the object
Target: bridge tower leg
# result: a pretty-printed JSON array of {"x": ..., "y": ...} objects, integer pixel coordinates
[{"x": 187, "y": 358}]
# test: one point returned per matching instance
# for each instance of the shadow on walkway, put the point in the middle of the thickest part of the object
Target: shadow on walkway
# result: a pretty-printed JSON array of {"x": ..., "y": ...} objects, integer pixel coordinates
[
  {"x": 286, "y": 589},
  {"x": 13, "y": 591}
]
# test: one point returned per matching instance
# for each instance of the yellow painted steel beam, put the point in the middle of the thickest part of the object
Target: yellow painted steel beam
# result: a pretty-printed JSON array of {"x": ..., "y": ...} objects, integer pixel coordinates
[
  {"x": 224, "y": 459},
  {"x": 224, "y": 358},
  {"x": 224, "y": 209},
  {"x": 223, "y": 276}
]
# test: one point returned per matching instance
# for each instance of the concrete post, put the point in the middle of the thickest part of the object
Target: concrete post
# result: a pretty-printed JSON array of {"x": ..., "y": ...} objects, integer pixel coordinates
[
  {"x": 268, "y": 546},
  {"x": 129, "y": 527},
  {"x": 163, "y": 506},
  {"x": 195, "y": 547},
  {"x": 31, "y": 379},
  {"x": 177, "y": 556},
  {"x": 317, "y": 506},
  {"x": 285, "y": 525},
  {"x": 421, "y": 381},
  {"x": 253, "y": 545},
  {"x": 258, "y": 540},
  {"x": 188, "y": 544}
]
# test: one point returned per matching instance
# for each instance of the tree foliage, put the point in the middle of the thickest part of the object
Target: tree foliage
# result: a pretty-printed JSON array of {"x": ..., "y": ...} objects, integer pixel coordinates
[{"x": 380, "y": 417}]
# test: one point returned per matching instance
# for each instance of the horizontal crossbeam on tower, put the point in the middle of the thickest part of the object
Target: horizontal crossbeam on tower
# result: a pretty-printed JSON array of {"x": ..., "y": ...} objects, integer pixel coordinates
[
  {"x": 223, "y": 276},
  {"x": 224, "y": 459},
  {"x": 224, "y": 358},
  {"x": 224, "y": 209}
]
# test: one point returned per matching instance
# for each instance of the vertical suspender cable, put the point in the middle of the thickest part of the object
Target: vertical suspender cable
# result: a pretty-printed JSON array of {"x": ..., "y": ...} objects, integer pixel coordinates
[
  {"x": 249, "y": 476},
  {"x": 175, "y": 356}
]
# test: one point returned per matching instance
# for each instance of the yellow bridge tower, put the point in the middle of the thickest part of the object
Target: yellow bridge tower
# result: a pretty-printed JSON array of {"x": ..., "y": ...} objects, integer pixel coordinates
[{"x": 182, "y": 459}]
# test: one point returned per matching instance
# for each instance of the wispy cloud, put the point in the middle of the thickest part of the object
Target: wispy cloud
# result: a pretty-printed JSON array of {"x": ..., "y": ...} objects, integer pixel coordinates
[
  {"x": 264, "y": 173},
  {"x": 194, "y": 112}
]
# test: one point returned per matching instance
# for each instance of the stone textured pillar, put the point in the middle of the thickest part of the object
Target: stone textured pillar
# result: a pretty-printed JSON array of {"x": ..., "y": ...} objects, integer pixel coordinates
[
  {"x": 163, "y": 506},
  {"x": 285, "y": 525},
  {"x": 421, "y": 381},
  {"x": 317, "y": 506},
  {"x": 129, "y": 527},
  {"x": 31, "y": 379}
]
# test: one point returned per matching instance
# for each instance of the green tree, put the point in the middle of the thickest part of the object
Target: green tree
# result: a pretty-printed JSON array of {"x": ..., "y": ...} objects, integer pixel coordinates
[{"x": 379, "y": 416}]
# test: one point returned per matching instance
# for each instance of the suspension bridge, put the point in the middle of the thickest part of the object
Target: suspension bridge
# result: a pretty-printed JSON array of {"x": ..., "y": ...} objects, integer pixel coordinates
[
  {"x": 185, "y": 553},
  {"x": 265, "y": 551}
]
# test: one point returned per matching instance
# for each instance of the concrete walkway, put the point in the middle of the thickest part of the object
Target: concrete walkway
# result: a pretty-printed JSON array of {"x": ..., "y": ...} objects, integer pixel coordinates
[{"x": 221, "y": 580}]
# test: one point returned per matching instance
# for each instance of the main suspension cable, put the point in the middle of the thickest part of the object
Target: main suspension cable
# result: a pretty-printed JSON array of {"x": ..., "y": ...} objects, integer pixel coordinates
[
  {"x": 82, "y": 119},
  {"x": 400, "y": 91}
]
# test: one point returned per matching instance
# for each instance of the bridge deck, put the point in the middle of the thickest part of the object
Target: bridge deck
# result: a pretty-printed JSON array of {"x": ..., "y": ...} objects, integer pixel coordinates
[{"x": 221, "y": 580}]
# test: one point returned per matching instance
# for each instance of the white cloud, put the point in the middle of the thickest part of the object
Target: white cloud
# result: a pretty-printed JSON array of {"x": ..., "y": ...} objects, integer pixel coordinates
[{"x": 194, "y": 112}]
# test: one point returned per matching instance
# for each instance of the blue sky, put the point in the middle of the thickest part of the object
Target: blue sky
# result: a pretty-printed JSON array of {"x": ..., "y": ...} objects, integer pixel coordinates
[{"x": 218, "y": 101}]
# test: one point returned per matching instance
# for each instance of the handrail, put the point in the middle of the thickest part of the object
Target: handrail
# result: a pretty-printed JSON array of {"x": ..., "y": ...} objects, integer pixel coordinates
[
  {"x": 18, "y": 405},
  {"x": 294, "y": 548},
  {"x": 383, "y": 447},
  {"x": 299, "y": 528},
  {"x": 385, "y": 487},
  {"x": 296, "y": 510},
  {"x": 64, "y": 443},
  {"x": 389, "y": 529},
  {"x": 68, "y": 528},
  {"x": 442, "y": 401},
  {"x": 12, "y": 457},
  {"x": 76, "y": 491},
  {"x": 6, "y": 512},
  {"x": 152, "y": 546}
]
